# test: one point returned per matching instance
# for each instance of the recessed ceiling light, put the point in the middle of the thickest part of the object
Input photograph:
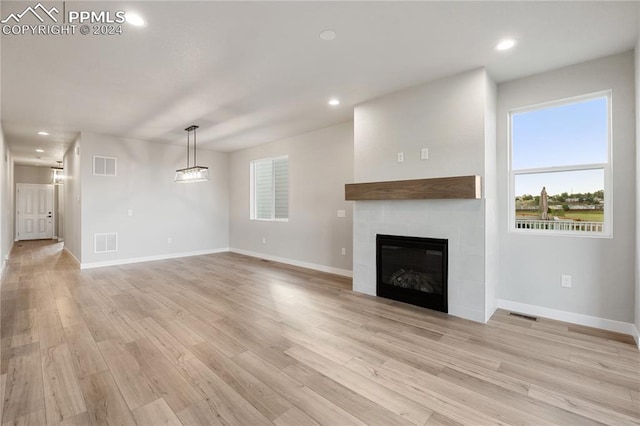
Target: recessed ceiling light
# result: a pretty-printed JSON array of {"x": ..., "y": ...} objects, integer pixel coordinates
[
  {"x": 505, "y": 44},
  {"x": 334, "y": 102},
  {"x": 327, "y": 35},
  {"x": 135, "y": 19},
  {"x": 39, "y": 150},
  {"x": 43, "y": 133}
]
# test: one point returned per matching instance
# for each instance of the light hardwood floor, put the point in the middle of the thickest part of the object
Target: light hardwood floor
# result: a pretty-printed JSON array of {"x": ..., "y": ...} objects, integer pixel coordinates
[{"x": 227, "y": 339}]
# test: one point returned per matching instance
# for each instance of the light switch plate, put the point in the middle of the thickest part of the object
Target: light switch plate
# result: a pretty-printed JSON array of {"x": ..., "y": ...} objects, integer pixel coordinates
[{"x": 342, "y": 213}]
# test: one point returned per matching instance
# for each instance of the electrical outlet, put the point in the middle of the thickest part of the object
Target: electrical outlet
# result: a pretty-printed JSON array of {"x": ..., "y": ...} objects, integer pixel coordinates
[
  {"x": 129, "y": 212},
  {"x": 566, "y": 281},
  {"x": 169, "y": 240},
  {"x": 264, "y": 240},
  {"x": 342, "y": 213},
  {"x": 401, "y": 157},
  {"x": 343, "y": 251},
  {"x": 424, "y": 154}
]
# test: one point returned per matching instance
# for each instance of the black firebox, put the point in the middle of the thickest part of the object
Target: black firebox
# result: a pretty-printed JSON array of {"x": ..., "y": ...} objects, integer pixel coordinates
[{"x": 412, "y": 270}]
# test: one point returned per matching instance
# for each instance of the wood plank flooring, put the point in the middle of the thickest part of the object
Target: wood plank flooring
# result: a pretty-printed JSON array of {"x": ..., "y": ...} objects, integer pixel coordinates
[{"x": 231, "y": 340}]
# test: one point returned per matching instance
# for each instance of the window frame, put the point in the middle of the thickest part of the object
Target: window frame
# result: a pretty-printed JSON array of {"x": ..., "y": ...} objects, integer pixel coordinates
[
  {"x": 607, "y": 168},
  {"x": 252, "y": 194}
]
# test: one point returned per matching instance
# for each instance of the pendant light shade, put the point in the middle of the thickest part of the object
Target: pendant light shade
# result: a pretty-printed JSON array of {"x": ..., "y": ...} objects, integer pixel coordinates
[{"x": 193, "y": 173}]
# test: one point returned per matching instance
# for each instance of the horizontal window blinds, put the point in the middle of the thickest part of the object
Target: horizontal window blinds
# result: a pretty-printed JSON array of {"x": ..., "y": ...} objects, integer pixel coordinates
[
  {"x": 281, "y": 188},
  {"x": 263, "y": 189},
  {"x": 271, "y": 189}
]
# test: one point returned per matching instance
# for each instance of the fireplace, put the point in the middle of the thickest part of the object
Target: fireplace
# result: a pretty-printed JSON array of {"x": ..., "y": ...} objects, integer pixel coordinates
[{"x": 412, "y": 270}]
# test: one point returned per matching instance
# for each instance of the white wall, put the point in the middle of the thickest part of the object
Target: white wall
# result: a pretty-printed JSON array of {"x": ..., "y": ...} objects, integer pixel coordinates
[
  {"x": 490, "y": 194},
  {"x": 72, "y": 201},
  {"x": 448, "y": 117},
  {"x": 7, "y": 202},
  {"x": 194, "y": 215},
  {"x": 32, "y": 174},
  {"x": 6, "y": 198},
  {"x": 320, "y": 163},
  {"x": 602, "y": 268},
  {"x": 59, "y": 193},
  {"x": 637, "y": 257}
]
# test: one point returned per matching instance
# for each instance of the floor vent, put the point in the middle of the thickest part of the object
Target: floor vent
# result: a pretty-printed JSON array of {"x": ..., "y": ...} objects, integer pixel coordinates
[{"x": 527, "y": 317}]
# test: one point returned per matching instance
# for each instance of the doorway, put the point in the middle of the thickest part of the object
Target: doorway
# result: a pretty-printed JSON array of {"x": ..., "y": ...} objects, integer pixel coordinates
[{"x": 34, "y": 211}]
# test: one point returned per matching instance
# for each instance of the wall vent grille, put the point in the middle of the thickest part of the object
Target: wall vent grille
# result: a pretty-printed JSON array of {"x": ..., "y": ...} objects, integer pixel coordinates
[
  {"x": 105, "y": 166},
  {"x": 106, "y": 242}
]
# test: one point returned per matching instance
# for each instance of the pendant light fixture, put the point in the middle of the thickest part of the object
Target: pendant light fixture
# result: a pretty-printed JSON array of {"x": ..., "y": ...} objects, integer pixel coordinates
[
  {"x": 194, "y": 173},
  {"x": 58, "y": 174}
]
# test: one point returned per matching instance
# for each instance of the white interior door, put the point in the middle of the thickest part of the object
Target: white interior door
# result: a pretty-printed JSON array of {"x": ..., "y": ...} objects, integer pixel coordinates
[{"x": 35, "y": 211}]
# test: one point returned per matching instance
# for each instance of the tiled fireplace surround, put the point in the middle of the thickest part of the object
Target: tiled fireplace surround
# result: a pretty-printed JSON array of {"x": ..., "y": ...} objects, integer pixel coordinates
[{"x": 461, "y": 222}]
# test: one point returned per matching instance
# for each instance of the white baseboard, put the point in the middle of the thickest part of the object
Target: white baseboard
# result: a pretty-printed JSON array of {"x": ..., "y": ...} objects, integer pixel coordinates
[
  {"x": 91, "y": 265},
  {"x": 490, "y": 311},
  {"x": 314, "y": 266},
  {"x": 636, "y": 335},
  {"x": 322, "y": 268},
  {"x": 75, "y": 259},
  {"x": 60, "y": 239},
  {"x": 571, "y": 317}
]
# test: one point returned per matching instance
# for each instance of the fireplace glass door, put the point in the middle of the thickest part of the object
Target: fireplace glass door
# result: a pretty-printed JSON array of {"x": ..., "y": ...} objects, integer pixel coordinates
[{"x": 412, "y": 270}]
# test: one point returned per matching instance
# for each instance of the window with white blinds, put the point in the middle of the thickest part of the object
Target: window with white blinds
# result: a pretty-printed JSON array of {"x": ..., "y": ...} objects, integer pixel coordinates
[{"x": 270, "y": 189}]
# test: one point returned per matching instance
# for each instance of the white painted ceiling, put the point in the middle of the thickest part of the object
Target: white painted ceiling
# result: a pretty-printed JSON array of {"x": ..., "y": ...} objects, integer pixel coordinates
[{"x": 252, "y": 72}]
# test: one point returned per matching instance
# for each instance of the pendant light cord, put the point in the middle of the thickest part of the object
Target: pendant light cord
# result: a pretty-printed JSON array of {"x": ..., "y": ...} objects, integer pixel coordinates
[
  {"x": 195, "y": 155},
  {"x": 188, "y": 148}
]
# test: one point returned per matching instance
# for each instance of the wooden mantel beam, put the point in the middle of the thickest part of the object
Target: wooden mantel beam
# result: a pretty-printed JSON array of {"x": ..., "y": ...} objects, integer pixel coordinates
[{"x": 466, "y": 187}]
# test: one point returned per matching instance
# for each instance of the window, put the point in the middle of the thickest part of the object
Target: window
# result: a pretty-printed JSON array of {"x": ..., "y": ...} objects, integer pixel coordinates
[
  {"x": 270, "y": 189},
  {"x": 560, "y": 168}
]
